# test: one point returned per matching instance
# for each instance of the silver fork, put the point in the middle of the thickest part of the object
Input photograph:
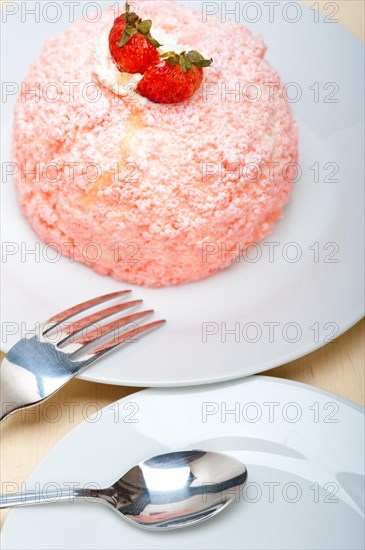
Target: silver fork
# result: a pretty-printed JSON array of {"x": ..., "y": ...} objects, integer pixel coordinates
[{"x": 36, "y": 367}]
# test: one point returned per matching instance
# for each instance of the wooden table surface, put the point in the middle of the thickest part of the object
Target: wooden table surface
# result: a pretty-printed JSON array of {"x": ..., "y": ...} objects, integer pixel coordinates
[{"x": 337, "y": 367}]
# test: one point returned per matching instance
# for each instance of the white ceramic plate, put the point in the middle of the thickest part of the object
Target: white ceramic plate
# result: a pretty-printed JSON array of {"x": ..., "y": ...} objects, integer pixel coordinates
[
  {"x": 303, "y": 448},
  {"x": 279, "y": 309}
]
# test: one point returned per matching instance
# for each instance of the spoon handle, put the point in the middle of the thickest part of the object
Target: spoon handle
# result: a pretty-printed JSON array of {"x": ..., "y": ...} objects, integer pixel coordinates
[{"x": 29, "y": 498}]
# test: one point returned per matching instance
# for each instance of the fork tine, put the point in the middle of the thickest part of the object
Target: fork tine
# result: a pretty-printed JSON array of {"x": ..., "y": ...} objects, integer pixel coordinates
[
  {"x": 97, "y": 333},
  {"x": 72, "y": 329},
  {"x": 64, "y": 315},
  {"x": 116, "y": 342}
]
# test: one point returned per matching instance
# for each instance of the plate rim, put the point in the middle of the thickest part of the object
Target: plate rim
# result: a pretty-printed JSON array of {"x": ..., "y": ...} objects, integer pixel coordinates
[
  {"x": 228, "y": 378},
  {"x": 240, "y": 372}
]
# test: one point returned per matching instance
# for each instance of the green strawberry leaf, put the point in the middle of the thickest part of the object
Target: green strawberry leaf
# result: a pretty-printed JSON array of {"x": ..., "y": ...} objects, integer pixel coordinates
[
  {"x": 172, "y": 61},
  {"x": 128, "y": 33},
  {"x": 167, "y": 54},
  {"x": 185, "y": 63},
  {"x": 198, "y": 60},
  {"x": 203, "y": 63},
  {"x": 144, "y": 27},
  {"x": 186, "y": 60},
  {"x": 171, "y": 58},
  {"x": 152, "y": 40}
]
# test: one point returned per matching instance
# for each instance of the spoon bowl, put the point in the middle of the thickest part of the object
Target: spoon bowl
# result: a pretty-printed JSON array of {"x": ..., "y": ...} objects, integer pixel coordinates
[{"x": 177, "y": 489}]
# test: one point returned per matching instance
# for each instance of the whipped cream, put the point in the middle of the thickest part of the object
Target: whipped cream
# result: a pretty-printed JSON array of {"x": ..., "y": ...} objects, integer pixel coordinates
[{"x": 125, "y": 84}]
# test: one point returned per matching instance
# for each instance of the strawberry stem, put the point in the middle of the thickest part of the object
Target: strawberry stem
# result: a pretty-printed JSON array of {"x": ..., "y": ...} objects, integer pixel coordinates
[{"x": 135, "y": 24}]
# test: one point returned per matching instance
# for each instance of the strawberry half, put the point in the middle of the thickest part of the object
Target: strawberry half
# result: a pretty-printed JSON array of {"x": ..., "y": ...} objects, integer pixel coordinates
[
  {"x": 175, "y": 78},
  {"x": 131, "y": 45}
]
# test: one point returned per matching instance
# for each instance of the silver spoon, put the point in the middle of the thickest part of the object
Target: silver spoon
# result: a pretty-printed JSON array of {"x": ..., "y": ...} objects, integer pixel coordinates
[{"x": 165, "y": 492}]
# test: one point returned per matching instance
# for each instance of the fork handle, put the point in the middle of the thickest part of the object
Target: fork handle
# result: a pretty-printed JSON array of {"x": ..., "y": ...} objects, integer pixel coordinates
[
  {"x": 27, "y": 499},
  {"x": 15, "y": 393}
]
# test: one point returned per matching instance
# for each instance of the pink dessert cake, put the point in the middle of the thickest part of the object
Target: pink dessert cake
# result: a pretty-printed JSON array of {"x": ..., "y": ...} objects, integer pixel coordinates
[{"x": 150, "y": 193}]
